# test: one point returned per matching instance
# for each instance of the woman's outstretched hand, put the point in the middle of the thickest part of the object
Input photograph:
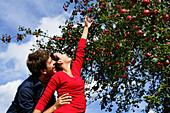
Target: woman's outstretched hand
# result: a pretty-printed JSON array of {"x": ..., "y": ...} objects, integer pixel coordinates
[{"x": 88, "y": 21}]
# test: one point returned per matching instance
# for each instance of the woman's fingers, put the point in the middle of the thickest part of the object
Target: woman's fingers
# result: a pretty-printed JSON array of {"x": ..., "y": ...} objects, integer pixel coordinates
[
  {"x": 64, "y": 99},
  {"x": 67, "y": 97},
  {"x": 64, "y": 95}
]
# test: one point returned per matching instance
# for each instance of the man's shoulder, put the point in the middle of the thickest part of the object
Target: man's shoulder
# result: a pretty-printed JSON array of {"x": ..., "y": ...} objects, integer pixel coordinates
[{"x": 27, "y": 84}]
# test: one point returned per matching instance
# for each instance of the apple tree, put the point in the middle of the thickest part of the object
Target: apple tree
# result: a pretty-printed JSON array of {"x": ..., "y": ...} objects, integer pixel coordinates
[{"x": 127, "y": 52}]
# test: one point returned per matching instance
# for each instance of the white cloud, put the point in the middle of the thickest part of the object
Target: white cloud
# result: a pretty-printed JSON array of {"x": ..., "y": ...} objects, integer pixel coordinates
[
  {"x": 51, "y": 25},
  {"x": 13, "y": 61},
  {"x": 7, "y": 93},
  {"x": 18, "y": 53},
  {"x": 151, "y": 111}
]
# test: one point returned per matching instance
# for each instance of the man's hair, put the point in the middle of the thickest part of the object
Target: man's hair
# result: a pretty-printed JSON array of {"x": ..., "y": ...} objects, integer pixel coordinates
[{"x": 37, "y": 61}]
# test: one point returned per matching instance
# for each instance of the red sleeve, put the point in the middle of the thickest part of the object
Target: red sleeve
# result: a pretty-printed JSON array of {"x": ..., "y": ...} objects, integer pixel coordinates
[
  {"x": 48, "y": 92},
  {"x": 77, "y": 64}
]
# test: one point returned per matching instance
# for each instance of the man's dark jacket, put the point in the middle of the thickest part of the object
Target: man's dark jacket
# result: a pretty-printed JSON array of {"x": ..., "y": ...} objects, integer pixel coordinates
[{"x": 27, "y": 96}]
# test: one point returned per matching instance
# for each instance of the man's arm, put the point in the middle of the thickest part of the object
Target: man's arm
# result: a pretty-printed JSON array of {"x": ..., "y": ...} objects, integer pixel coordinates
[
  {"x": 64, "y": 99},
  {"x": 25, "y": 100}
]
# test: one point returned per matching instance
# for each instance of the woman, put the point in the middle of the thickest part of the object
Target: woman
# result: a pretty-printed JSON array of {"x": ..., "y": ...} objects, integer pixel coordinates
[{"x": 68, "y": 80}]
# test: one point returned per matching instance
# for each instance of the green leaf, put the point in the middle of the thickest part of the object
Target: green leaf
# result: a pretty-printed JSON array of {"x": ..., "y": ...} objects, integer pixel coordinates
[{"x": 155, "y": 60}]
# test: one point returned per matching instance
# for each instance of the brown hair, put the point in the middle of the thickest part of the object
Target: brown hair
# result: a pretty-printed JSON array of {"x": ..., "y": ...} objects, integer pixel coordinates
[{"x": 36, "y": 61}]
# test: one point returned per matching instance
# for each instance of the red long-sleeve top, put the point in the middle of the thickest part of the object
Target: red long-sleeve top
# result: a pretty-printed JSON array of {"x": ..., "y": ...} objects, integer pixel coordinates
[{"x": 63, "y": 83}]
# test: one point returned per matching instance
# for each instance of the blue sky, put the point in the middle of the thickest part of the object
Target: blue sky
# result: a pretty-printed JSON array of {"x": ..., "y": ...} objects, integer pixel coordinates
[{"x": 44, "y": 14}]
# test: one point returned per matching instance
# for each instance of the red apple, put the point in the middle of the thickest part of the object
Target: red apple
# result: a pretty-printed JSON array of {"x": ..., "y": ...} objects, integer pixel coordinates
[
  {"x": 103, "y": 4},
  {"x": 124, "y": 76},
  {"x": 145, "y": 2},
  {"x": 123, "y": 10},
  {"x": 165, "y": 17},
  {"x": 90, "y": 10},
  {"x": 156, "y": 46},
  {"x": 129, "y": 17},
  {"x": 107, "y": 30},
  {"x": 101, "y": 7},
  {"x": 54, "y": 38},
  {"x": 133, "y": 61},
  {"x": 167, "y": 62},
  {"x": 155, "y": 12},
  {"x": 3, "y": 39},
  {"x": 108, "y": 63},
  {"x": 118, "y": 6},
  {"x": 153, "y": 39},
  {"x": 146, "y": 12},
  {"x": 160, "y": 65},
  {"x": 65, "y": 8},
  {"x": 154, "y": 29},
  {"x": 124, "y": 68},
  {"x": 146, "y": 39},
  {"x": 128, "y": 33},
  {"x": 148, "y": 54},
  {"x": 117, "y": 44},
  {"x": 117, "y": 63},
  {"x": 8, "y": 39},
  {"x": 167, "y": 43},
  {"x": 127, "y": 63},
  {"x": 116, "y": 76},
  {"x": 139, "y": 32},
  {"x": 135, "y": 26},
  {"x": 68, "y": 32}
]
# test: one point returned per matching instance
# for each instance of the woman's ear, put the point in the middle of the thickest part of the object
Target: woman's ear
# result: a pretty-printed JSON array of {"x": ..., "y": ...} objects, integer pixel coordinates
[{"x": 43, "y": 71}]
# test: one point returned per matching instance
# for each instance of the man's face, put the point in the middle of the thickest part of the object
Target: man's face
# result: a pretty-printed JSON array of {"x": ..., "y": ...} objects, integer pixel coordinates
[{"x": 50, "y": 66}]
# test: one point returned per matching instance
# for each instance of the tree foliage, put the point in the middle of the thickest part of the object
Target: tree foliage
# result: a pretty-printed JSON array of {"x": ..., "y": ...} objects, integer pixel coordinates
[{"x": 127, "y": 52}]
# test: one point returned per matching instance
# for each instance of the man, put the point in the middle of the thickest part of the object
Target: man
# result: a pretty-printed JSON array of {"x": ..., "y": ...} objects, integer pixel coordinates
[{"x": 29, "y": 92}]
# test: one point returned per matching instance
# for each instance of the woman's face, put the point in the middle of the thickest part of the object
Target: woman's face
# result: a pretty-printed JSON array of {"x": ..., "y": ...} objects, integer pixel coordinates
[{"x": 63, "y": 58}]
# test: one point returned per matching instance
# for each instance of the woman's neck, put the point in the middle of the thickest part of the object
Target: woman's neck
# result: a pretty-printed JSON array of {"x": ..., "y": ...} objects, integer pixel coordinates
[{"x": 66, "y": 69}]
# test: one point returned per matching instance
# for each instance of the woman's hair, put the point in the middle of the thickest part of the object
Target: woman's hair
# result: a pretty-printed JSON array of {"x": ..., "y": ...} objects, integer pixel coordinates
[
  {"x": 57, "y": 66},
  {"x": 37, "y": 61}
]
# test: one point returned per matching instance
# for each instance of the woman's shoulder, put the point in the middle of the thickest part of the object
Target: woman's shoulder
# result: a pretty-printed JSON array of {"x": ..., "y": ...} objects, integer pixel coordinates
[{"x": 58, "y": 73}]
